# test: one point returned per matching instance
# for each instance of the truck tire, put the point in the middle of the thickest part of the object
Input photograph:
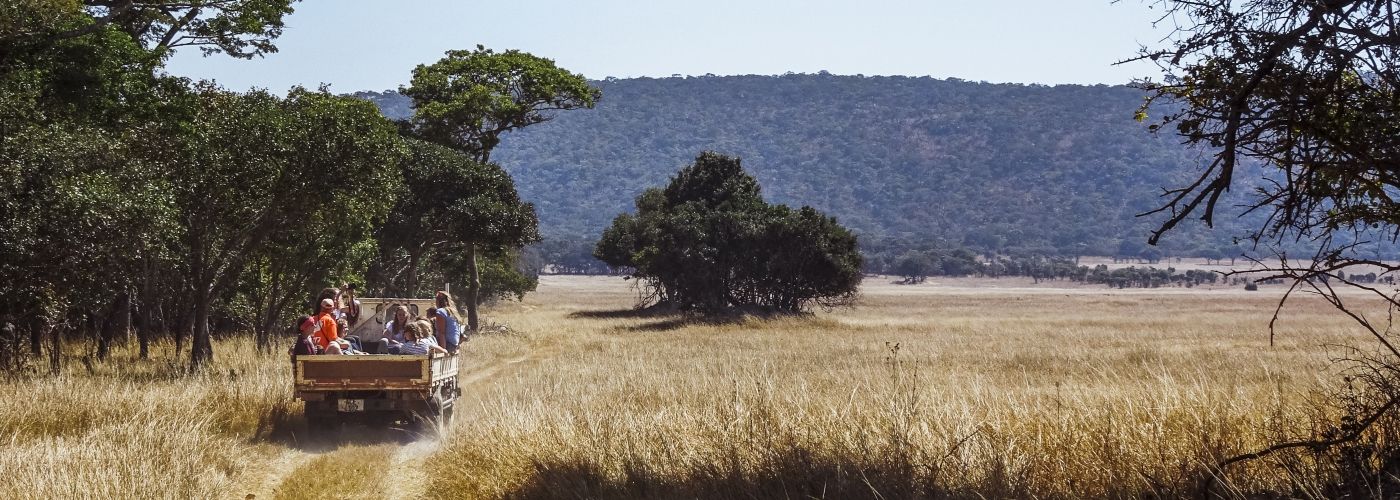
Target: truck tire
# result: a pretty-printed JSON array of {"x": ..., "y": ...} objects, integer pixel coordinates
[{"x": 446, "y": 418}]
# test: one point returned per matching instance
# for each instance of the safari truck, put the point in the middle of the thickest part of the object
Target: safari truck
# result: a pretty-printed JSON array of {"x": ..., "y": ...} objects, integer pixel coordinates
[{"x": 377, "y": 389}]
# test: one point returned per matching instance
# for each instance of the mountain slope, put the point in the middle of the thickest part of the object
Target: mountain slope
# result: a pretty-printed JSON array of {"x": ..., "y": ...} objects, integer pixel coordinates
[{"x": 905, "y": 162}]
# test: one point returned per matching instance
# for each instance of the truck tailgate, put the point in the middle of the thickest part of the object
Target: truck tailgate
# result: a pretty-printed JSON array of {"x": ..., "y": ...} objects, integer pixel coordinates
[{"x": 330, "y": 372}]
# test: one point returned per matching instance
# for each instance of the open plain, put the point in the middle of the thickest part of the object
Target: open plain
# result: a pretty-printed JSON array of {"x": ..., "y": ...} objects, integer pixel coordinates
[{"x": 963, "y": 388}]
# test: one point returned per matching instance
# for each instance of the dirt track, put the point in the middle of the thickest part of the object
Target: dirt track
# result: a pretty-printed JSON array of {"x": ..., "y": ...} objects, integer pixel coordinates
[{"x": 298, "y": 470}]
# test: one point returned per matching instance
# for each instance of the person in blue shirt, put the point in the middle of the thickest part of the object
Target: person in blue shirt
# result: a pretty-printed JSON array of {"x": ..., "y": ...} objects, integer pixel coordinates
[
  {"x": 415, "y": 342},
  {"x": 448, "y": 323}
]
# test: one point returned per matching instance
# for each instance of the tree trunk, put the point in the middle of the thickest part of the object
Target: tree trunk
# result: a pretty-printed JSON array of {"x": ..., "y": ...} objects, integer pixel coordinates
[
  {"x": 143, "y": 322},
  {"x": 36, "y": 336},
  {"x": 201, "y": 349},
  {"x": 186, "y": 325},
  {"x": 55, "y": 348},
  {"x": 411, "y": 289},
  {"x": 473, "y": 288},
  {"x": 117, "y": 319},
  {"x": 106, "y": 332}
]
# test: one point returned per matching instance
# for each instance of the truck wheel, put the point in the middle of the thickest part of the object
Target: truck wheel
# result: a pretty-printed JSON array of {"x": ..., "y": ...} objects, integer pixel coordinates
[
  {"x": 421, "y": 424},
  {"x": 446, "y": 417}
]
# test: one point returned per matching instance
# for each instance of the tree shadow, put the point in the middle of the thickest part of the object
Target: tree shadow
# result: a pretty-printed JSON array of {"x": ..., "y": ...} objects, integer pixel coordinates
[
  {"x": 630, "y": 313},
  {"x": 669, "y": 319}
]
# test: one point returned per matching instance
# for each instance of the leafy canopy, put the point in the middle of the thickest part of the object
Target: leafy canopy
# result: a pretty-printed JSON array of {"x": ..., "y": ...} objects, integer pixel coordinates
[
  {"x": 709, "y": 242},
  {"x": 469, "y": 98}
]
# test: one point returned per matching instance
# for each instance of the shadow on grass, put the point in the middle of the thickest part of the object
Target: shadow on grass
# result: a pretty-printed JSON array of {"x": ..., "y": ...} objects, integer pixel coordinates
[
  {"x": 795, "y": 475},
  {"x": 668, "y": 319},
  {"x": 629, "y": 313},
  {"x": 290, "y": 429}
]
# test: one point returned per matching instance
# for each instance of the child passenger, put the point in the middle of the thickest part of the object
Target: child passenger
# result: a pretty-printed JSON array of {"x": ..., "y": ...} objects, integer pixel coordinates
[{"x": 415, "y": 343}]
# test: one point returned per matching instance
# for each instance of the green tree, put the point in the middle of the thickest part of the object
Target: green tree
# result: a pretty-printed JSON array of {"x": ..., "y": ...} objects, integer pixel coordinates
[
  {"x": 78, "y": 205},
  {"x": 708, "y": 242},
  {"x": 914, "y": 266},
  {"x": 239, "y": 28},
  {"x": 453, "y": 205},
  {"x": 250, "y": 167},
  {"x": 467, "y": 100},
  {"x": 1308, "y": 90}
]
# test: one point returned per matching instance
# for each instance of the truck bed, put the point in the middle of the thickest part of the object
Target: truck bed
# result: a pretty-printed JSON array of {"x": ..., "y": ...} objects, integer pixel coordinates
[{"x": 372, "y": 372}]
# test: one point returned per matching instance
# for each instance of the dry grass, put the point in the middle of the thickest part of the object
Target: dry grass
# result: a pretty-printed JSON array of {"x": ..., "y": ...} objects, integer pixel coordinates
[
  {"x": 353, "y": 472},
  {"x": 132, "y": 428},
  {"x": 1012, "y": 392},
  {"x": 997, "y": 389}
]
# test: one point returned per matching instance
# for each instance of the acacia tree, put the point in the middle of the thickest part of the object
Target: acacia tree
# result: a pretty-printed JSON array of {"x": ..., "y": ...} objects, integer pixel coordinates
[
  {"x": 468, "y": 99},
  {"x": 1309, "y": 89}
]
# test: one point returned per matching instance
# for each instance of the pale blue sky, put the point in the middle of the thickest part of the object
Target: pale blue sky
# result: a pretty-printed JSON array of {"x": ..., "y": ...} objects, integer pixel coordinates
[{"x": 373, "y": 45}]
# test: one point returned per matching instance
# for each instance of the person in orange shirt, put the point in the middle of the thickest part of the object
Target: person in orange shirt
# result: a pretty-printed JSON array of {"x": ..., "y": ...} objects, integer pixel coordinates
[{"x": 329, "y": 336}]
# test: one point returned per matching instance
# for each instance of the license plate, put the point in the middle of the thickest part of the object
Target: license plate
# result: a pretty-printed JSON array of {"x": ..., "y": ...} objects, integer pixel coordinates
[{"x": 350, "y": 405}]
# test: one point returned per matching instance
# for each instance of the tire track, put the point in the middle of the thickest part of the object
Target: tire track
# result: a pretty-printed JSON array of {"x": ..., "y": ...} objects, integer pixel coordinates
[{"x": 405, "y": 477}]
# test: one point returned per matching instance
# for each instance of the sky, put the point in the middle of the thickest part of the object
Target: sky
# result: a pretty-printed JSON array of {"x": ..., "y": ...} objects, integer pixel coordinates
[{"x": 374, "y": 45}]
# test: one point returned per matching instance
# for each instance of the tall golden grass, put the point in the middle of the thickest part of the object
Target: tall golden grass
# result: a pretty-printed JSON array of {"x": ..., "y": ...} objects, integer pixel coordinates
[
  {"x": 920, "y": 391},
  {"x": 143, "y": 429}
]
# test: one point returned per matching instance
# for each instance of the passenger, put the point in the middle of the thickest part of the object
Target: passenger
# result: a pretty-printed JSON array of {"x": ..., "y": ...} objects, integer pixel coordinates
[
  {"x": 351, "y": 305},
  {"x": 415, "y": 342},
  {"x": 430, "y": 315},
  {"x": 306, "y": 337},
  {"x": 425, "y": 330},
  {"x": 393, "y": 330},
  {"x": 337, "y": 314},
  {"x": 326, "y": 293},
  {"x": 328, "y": 331},
  {"x": 448, "y": 323}
]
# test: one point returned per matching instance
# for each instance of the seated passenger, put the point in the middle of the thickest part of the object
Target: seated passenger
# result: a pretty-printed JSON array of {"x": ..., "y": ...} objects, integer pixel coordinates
[
  {"x": 447, "y": 323},
  {"x": 393, "y": 330},
  {"x": 415, "y": 343},
  {"x": 425, "y": 329},
  {"x": 328, "y": 331},
  {"x": 306, "y": 341}
]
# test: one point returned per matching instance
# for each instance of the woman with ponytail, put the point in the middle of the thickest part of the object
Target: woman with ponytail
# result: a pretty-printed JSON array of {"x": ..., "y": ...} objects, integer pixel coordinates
[{"x": 448, "y": 323}]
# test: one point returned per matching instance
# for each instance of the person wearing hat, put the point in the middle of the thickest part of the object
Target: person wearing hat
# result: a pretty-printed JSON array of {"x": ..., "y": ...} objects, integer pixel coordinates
[{"x": 329, "y": 337}]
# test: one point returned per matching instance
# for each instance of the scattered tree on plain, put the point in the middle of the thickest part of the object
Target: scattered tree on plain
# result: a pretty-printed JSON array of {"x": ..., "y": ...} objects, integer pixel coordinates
[{"x": 708, "y": 242}]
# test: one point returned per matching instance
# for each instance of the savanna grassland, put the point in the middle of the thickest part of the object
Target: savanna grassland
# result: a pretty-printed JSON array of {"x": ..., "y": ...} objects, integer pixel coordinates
[{"x": 961, "y": 388}]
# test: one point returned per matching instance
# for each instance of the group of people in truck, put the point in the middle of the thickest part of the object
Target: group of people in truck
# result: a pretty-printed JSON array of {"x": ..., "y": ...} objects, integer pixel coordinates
[{"x": 326, "y": 331}]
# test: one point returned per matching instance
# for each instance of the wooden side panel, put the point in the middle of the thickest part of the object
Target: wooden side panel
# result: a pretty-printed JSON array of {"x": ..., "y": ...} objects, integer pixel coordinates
[
  {"x": 445, "y": 367},
  {"x": 405, "y": 369},
  {"x": 362, "y": 372}
]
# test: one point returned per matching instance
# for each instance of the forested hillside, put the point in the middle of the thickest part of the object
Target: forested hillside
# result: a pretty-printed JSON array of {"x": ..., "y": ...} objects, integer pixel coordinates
[{"x": 905, "y": 162}]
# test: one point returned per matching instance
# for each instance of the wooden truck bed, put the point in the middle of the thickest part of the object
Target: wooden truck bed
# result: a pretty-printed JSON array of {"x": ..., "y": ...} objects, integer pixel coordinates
[{"x": 372, "y": 372}]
